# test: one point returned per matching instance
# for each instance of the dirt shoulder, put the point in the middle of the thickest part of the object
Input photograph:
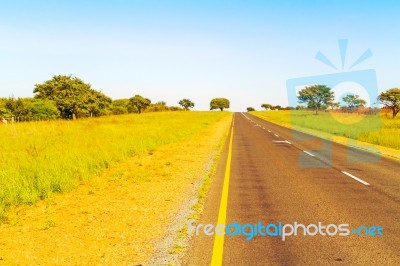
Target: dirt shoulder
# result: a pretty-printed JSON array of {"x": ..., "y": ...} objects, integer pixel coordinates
[{"x": 117, "y": 218}]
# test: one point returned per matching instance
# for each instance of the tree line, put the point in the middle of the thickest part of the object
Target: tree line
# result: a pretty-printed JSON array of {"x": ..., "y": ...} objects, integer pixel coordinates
[
  {"x": 70, "y": 97},
  {"x": 321, "y": 97}
]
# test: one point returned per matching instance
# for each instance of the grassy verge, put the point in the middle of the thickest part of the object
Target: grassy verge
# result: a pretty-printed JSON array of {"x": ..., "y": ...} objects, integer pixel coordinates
[
  {"x": 121, "y": 214},
  {"x": 375, "y": 129},
  {"x": 40, "y": 159}
]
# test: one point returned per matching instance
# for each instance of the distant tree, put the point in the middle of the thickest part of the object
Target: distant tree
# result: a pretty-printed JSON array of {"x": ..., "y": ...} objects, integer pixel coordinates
[
  {"x": 44, "y": 109},
  {"x": 96, "y": 102},
  {"x": 3, "y": 109},
  {"x": 267, "y": 106},
  {"x": 316, "y": 96},
  {"x": 119, "y": 106},
  {"x": 277, "y": 107},
  {"x": 219, "y": 103},
  {"x": 288, "y": 108},
  {"x": 175, "y": 108},
  {"x": 72, "y": 96},
  {"x": 20, "y": 107},
  {"x": 353, "y": 101},
  {"x": 391, "y": 99},
  {"x": 158, "y": 107},
  {"x": 334, "y": 105},
  {"x": 139, "y": 103},
  {"x": 186, "y": 103},
  {"x": 249, "y": 109}
]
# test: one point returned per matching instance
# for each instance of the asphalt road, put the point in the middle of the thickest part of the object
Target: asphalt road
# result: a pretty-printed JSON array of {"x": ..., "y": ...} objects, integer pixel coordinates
[{"x": 280, "y": 175}]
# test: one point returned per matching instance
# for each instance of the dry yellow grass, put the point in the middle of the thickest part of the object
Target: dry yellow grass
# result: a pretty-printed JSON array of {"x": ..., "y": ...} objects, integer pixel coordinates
[{"x": 116, "y": 218}]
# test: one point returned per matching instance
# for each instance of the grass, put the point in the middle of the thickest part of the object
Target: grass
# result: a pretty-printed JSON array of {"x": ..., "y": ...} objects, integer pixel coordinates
[
  {"x": 375, "y": 129},
  {"x": 48, "y": 224},
  {"x": 40, "y": 159}
]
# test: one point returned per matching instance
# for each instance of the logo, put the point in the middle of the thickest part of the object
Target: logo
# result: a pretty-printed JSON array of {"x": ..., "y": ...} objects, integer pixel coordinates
[{"x": 343, "y": 82}]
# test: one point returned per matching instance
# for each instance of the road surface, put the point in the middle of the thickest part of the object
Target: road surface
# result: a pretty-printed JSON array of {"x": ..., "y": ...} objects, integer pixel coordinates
[{"x": 273, "y": 174}]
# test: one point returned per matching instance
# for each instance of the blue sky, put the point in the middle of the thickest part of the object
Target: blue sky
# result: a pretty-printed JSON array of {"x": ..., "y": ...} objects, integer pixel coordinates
[{"x": 169, "y": 50}]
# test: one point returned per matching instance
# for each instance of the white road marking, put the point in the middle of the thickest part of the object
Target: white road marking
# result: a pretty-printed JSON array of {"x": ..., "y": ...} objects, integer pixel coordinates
[
  {"x": 309, "y": 153},
  {"x": 246, "y": 116},
  {"x": 281, "y": 141},
  {"x": 276, "y": 135},
  {"x": 356, "y": 178},
  {"x": 269, "y": 131}
]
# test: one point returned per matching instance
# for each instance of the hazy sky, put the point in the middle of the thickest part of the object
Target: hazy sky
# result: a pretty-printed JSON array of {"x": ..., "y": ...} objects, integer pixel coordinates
[{"x": 169, "y": 50}]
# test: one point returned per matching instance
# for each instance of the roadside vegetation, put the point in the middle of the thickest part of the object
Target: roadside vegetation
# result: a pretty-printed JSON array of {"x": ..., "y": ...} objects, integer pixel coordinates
[
  {"x": 379, "y": 129},
  {"x": 40, "y": 159},
  {"x": 349, "y": 117}
]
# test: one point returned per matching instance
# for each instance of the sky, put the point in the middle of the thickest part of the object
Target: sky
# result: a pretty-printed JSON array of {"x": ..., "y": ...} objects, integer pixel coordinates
[{"x": 168, "y": 50}]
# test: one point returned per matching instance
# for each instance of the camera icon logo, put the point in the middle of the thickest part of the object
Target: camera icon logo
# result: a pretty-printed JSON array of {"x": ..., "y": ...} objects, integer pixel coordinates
[{"x": 342, "y": 83}]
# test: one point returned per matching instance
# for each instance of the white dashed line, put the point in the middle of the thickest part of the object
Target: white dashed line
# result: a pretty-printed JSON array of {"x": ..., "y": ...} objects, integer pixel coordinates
[
  {"x": 309, "y": 153},
  {"x": 282, "y": 141},
  {"x": 276, "y": 135},
  {"x": 356, "y": 178},
  {"x": 263, "y": 127},
  {"x": 269, "y": 131}
]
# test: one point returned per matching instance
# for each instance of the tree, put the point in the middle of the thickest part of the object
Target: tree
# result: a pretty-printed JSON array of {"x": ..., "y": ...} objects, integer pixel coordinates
[
  {"x": 72, "y": 96},
  {"x": 3, "y": 110},
  {"x": 353, "y": 101},
  {"x": 267, "y": 106},
  {"x": 158, "y": 107},
  {"x": 391, "y": 99},
  {"x": 186, "y": 103},
  {"x": 96, "y": 102},
  {"x": 139, "y": 103},
  {"x": 44, "y": 109},
  {"x": 219, "y": 103},
  {"x": 334, "y": 105},
  {"x": 250, "y": 109},
  {"x": 20, "y": 107},
  {"x": 316, "y": 96}
]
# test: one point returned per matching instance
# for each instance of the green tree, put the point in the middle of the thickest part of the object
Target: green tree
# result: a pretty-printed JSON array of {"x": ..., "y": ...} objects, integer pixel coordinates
[
  {"x": 119, "y": 107},
  {"x": 353, "y": 101},
  {"x": 249, "y": 109},
  {"x": 70, "y": 94},
  {"x": 3, "y": 110},
  {"x": 391, "y": 99},
  {"x": 96, "y": 102},
  {"x": 316, "y": 96},
  {"x": 158, "y": 107},
  {"x": 186, "y": 103},
  {"x": 334, "y": 105},
  {"x": 219, "y": 103},
  {"x": 267, "y": 106},
  {"x": 20, "y": 107},
  {"x": 44, "y": 109},
  {"x": 139, "y": 103}
]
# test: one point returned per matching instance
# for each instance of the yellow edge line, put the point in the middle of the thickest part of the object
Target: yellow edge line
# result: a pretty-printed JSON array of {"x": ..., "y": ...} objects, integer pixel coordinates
[{"x": 218, "y": 248}]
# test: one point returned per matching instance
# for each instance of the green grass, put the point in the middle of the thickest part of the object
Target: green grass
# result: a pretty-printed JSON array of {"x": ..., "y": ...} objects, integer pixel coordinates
[
  {"x": 48, "y": 224},
  {"x": 40, "y": 159},
  {"x": 375, "y": 129}
]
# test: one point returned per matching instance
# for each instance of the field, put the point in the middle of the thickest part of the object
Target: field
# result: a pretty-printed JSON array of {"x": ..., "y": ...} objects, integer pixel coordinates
[
  {"x": 375, "y": 129},
  {"x": 40, "y": 159}
]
